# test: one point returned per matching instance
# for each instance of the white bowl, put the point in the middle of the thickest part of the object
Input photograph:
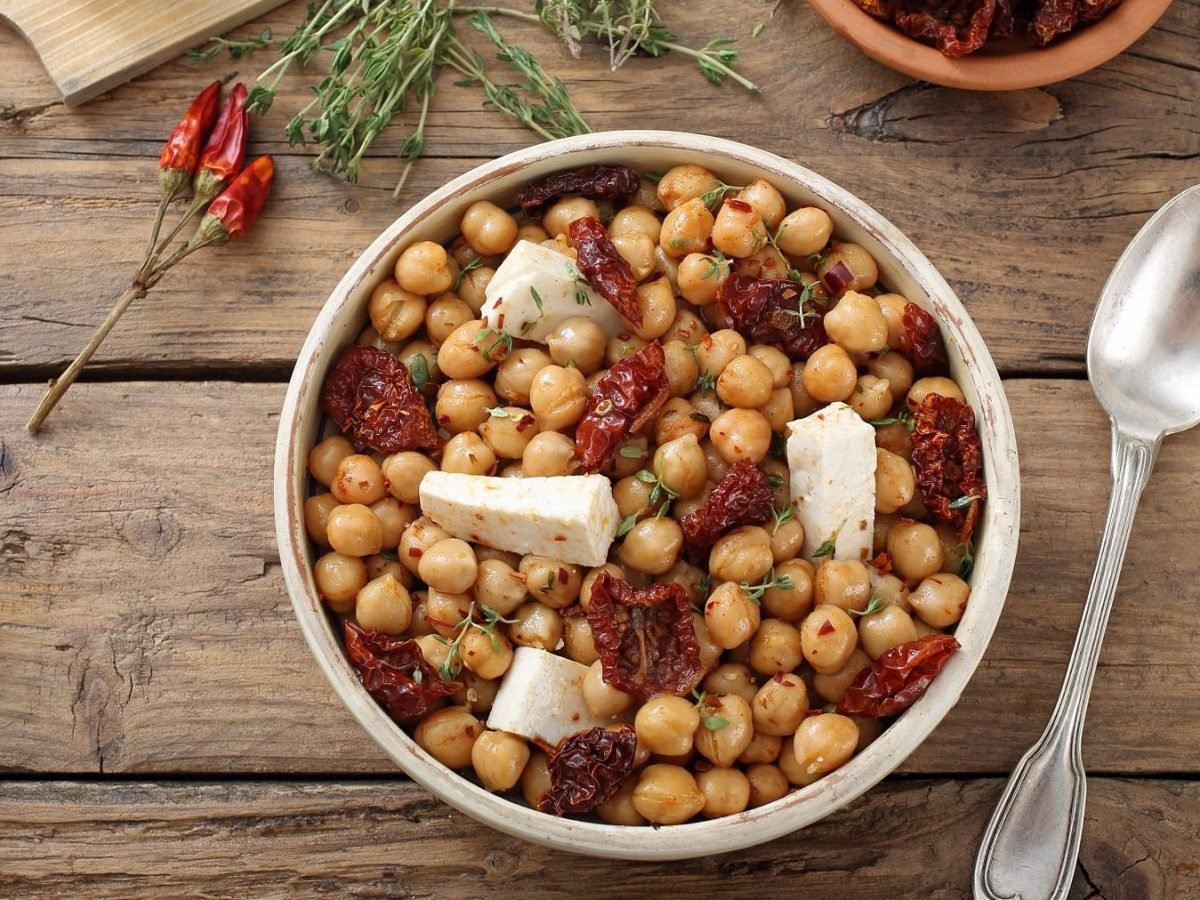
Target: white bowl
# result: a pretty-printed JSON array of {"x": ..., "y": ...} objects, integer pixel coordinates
[{"x": 901, "y": 267}]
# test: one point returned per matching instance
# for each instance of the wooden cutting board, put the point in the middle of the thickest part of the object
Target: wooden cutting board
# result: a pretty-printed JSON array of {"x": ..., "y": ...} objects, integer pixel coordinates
[{"x": 89, "y": 46}]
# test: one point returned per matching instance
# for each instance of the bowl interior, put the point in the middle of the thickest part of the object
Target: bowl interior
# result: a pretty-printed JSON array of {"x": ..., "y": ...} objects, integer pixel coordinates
[
  {"x": 901, "y": 267},
  {"x": 1007, "y": 65}
]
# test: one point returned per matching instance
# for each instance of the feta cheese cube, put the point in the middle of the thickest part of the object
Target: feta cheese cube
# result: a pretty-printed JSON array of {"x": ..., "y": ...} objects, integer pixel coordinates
[
  {"x": 541, "y": 698},
  {"x": 536, "y": 288},
  {"x": 569, "y": 517},
  {"x": 831, "y": 457}
]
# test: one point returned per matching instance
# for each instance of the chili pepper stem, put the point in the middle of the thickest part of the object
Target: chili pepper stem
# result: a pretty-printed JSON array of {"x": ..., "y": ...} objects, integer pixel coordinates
[
  {"x": 59, "y": 386},
  {"x": 192, "y": 211},
  {"x": 158, "y": 220}
]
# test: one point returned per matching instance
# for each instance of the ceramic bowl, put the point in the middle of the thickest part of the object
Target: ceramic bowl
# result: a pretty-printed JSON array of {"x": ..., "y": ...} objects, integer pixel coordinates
[
  {"x": 1006, "y": 65},
  {"x": 901, "y": 267}
]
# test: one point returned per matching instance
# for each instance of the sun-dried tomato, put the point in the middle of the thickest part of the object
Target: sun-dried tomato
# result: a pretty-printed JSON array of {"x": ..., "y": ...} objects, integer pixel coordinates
[
  {"x": 587, "y": 769},
  {"x": 770, "y": 312},
  {"x": 1057, "y": 17},
  {"x": 645, "y": 637},
  {"x": 743, "y": 497},
  {"x": 625, "y": 398},
  {"x": 604, "y": 268},
  {"x": 595, "y": 182},
  {"x": 395, "y": 673},
  {"x": 371, "y": 397},
  {"x": 948, "y": 459},
  {"x": 955, "y": 27},
  {"x": 895, "y": 680},
  {"x": 924, "y": 338}
]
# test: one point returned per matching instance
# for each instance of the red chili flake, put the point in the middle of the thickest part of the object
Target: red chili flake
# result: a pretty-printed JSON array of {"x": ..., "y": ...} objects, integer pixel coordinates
[
  {"x": 563, "y": 575},
  {"x": 595, "y": 182},
  {"x": 371, "y": 397},
  {"x": 769, "y": 312},
  {"x": 948, "y": 459},
  {"x": 883, "y": 563},
  {"x": 837, "y": 278},
  {"x": 894, "y": 681},
  {"x": 587, "y": 769},
  {"x": 743, "y": 497},
  {"x": 604, "y": 268},
  {"x": 388, "y": 670},
  {"x": 739, "y": 205},
  {"x": 646, "y": 637},
  {"x": 625, "y": 398},
  {"x": 925, "y": 344},
  {"x": 826, "y": 628},
  {"x": 524, "y": 422}
]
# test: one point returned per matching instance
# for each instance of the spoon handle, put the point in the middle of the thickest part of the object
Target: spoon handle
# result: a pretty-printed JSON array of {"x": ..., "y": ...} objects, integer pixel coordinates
[{"x": 1030, "y": 846}]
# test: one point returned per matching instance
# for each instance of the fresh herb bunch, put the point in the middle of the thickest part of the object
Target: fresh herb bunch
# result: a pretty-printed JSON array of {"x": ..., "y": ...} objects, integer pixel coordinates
[{"x": 384, "y": 57}]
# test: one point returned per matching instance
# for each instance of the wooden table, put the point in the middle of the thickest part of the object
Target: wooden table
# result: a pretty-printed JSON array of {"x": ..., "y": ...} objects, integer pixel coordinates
[{"x": 166, "y": 732}]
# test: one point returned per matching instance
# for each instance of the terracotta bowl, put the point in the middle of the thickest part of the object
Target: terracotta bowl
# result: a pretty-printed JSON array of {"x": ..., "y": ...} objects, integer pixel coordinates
[
  {"x": 902, "y": 268},
  {"x": 1006, "y": 65}
]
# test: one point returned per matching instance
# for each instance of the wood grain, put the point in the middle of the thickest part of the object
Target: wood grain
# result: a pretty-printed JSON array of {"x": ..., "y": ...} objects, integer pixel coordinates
[
  {"x": 372, "y": 839},
  {"x": 1037, "y": 191},
  {"x": 144, "y": 626}
]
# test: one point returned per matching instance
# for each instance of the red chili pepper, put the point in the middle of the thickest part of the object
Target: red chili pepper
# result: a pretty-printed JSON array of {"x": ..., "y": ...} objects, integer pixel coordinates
[
  {"x": 226, "y": 148},
  {"x": 232, "y": 213},
  {"x": 180, "y": 155},
  {"x": 894, "y": 681}
]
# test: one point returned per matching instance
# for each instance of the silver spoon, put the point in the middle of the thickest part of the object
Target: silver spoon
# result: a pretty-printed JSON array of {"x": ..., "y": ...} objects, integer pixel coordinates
[{"x": 1144, "y": 365}]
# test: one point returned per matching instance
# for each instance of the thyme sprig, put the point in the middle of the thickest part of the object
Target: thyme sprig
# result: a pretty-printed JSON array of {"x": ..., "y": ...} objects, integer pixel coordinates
[
  {"x": 755, "y": 591},
  {"x": 452, "y": 664}
]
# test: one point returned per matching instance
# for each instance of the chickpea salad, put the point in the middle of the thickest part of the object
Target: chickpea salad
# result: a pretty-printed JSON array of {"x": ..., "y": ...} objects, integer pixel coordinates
[{"x": 642, "y": 498}]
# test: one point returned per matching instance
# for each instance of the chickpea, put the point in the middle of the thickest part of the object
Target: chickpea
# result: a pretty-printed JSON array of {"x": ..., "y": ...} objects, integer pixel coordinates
[
  {"x": 681, "y": 367},
  {"x": 535, "y": 234},
  {"x": 558, "y": 396},
  {"x": 745, "y": 382},
  {"x": 488, "y": 229},
  {"x": 449, "y": 565},
  {"x": 742, "y": 555},
  {"x": 552, "y": 581},
  {"x": 778, "y": 410},
  {"x": 316, "y": 517},
  {"x": 536, "y": 625},
  {"x": 857, "y": 324},
  {"x": 433, "y": 648},
  {"x": 358, "y": 479},
  {"x": 667, "y": 794},
  {"x": 339, "y": 578},
  {"x": 666, "y": 725},
  {"x": 717, "y": 467},
  {"x": 549, "y": 453},
  {"x": 578, "y": 341},
  {"x": 723, "y": 744},
  {"x": 885, "y": 629},
  {"x": 824, "y": 743},
  {"x": 369, "y": 337},
  {"x": 940, "y": 600},
  {"x": 776, "y": 647},
  {"x": 896, "y": 370},
  {"x": 424, "y": 268},
  {"x": 462, "y": 354},
  {"x": 558, "y": 218},
  {"x": 730, "y": 615},
  {"x": 790, "y": 604},
  {"x": 831, "y": 687},
  {"x": 656, "y": 301},
  {"x": 705, "y": 402},
  {"x": 462, "y": 404},
  {"x": 618, "y": 348},
  {"x": 953, "y": 549},
  {"x": 472, "y": 288},
  {"x": 805, "y": 231},
  {"x": 776, "y": 361},
  {"x": 499, "y": 758},
  {"x": 509, "y": 430},
  {"x": 487, "y": 655},
  {"x": 766, "y": 200},
  {"x": 738, "y": 433},
  {"x": 767, "y": 784},
  {"x": 871, "y": 397},
  {"x": 632, "y": 496},
  {"x": 476, "y": 694},
  {"x": 637, "y": 250},
  {"x": 394, "y": 517},
  {"x": 787, "y": 539},
  {"x": 652, "y": 545},
  {"x": 514, "y": 376},
  {"x": 585, "y": 588},
  {"x": 634, "y": 220},
  {"x": 395, "y": 313},
  {"x": 602, "y": 698},
  {"x": 354, "y": 530},
  {"x": 738, "y": 229},
  {"x": 780, "y": 705},
  {"x": 700, "y": 277},
  {"x": 717, "y": 350},
  {"x": 892, "y": 307},
  {"x": 777, "y": 472},
  {"x": 579, "y": 641},
  {"x": 923, "y": 387},
  {"x": 864, "y": 273},
  {"x": 830, "y": 374},
  {"x": 619, "y": 808},
  {"x": 844, "y": 583},
  {"x": 535, "y": 778},
  {"x": 915, "y": 549},
  {"x": 687, "y": 576},
  {"x": 894, "y": 438},
  {"x": 923, "y": 628},
  {"x": 732, "y": 678},
  {"x": 325, "y": 457},
  {"x": 680, "y": 466},
  {"x": 726, "y": 792},
  {"x": 449, "y": 735},
  {"x": 803, "y": 403},
  {"x": 685, "y": 182},
  {"x": 895, "y": 481},
  {"x": 763, "y": 748},
  {"x": 403, "y": 473},
  {"x": 498, "y": 587},
  {"x": 384, "y": 604},
  {"x": 467, "y": 453},
  {"x": 676, "y": 419},
  {"x": 444, "y": 611},
  {"x": 828, "y": 636},
  {"x": 417, "y": 538},
  {"x": 686, "y": 229}
]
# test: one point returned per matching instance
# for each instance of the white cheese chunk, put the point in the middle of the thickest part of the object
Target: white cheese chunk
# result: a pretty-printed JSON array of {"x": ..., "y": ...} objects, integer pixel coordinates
[
  {"x": 831, "y": 456},
  {"x": 536, "y": 288},
  {"x": 568, "y": 517},
  {"x": 541, "y": 698}
]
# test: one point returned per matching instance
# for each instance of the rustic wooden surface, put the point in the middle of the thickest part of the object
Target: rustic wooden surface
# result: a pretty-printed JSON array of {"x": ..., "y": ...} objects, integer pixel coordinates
[{"x": 167, "y": 732}]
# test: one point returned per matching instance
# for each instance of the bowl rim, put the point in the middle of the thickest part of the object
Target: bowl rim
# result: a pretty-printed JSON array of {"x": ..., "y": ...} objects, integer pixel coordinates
[
  {"x": 1073, "y": 55},
  {"x": 994, "y": 561}
]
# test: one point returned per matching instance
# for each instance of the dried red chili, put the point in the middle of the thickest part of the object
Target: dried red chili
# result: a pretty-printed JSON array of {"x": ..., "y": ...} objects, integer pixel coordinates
[
  {"x": 370, "y": 396},
  {"x": 395, "y": 673},
  {"x": 604, "y": 268},
  {"x": 226, "y": 148},
  {"x": 1057, "y": 17},
  {"x": 587, "y": 769},
  {"x": 771, "y": 312},
  {"x": 948, "y": 459},
  {"x": 895, "y": 680},
  {"x": 625, "y": 398},
  {"x": 645, "y": 637},
  {"x": 924, "y": 338},
  {"x": 743, "y": 497},
  {"x": 595, "y": 182},
  {"x": 179, "y": 156}
]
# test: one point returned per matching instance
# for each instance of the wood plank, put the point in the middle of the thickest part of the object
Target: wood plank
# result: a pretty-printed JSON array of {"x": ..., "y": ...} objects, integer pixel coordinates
[
  {"x": 144, "y": 626},
  {"x": 1049, "y": 188},
  {"x": 911, "y": 838}
]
